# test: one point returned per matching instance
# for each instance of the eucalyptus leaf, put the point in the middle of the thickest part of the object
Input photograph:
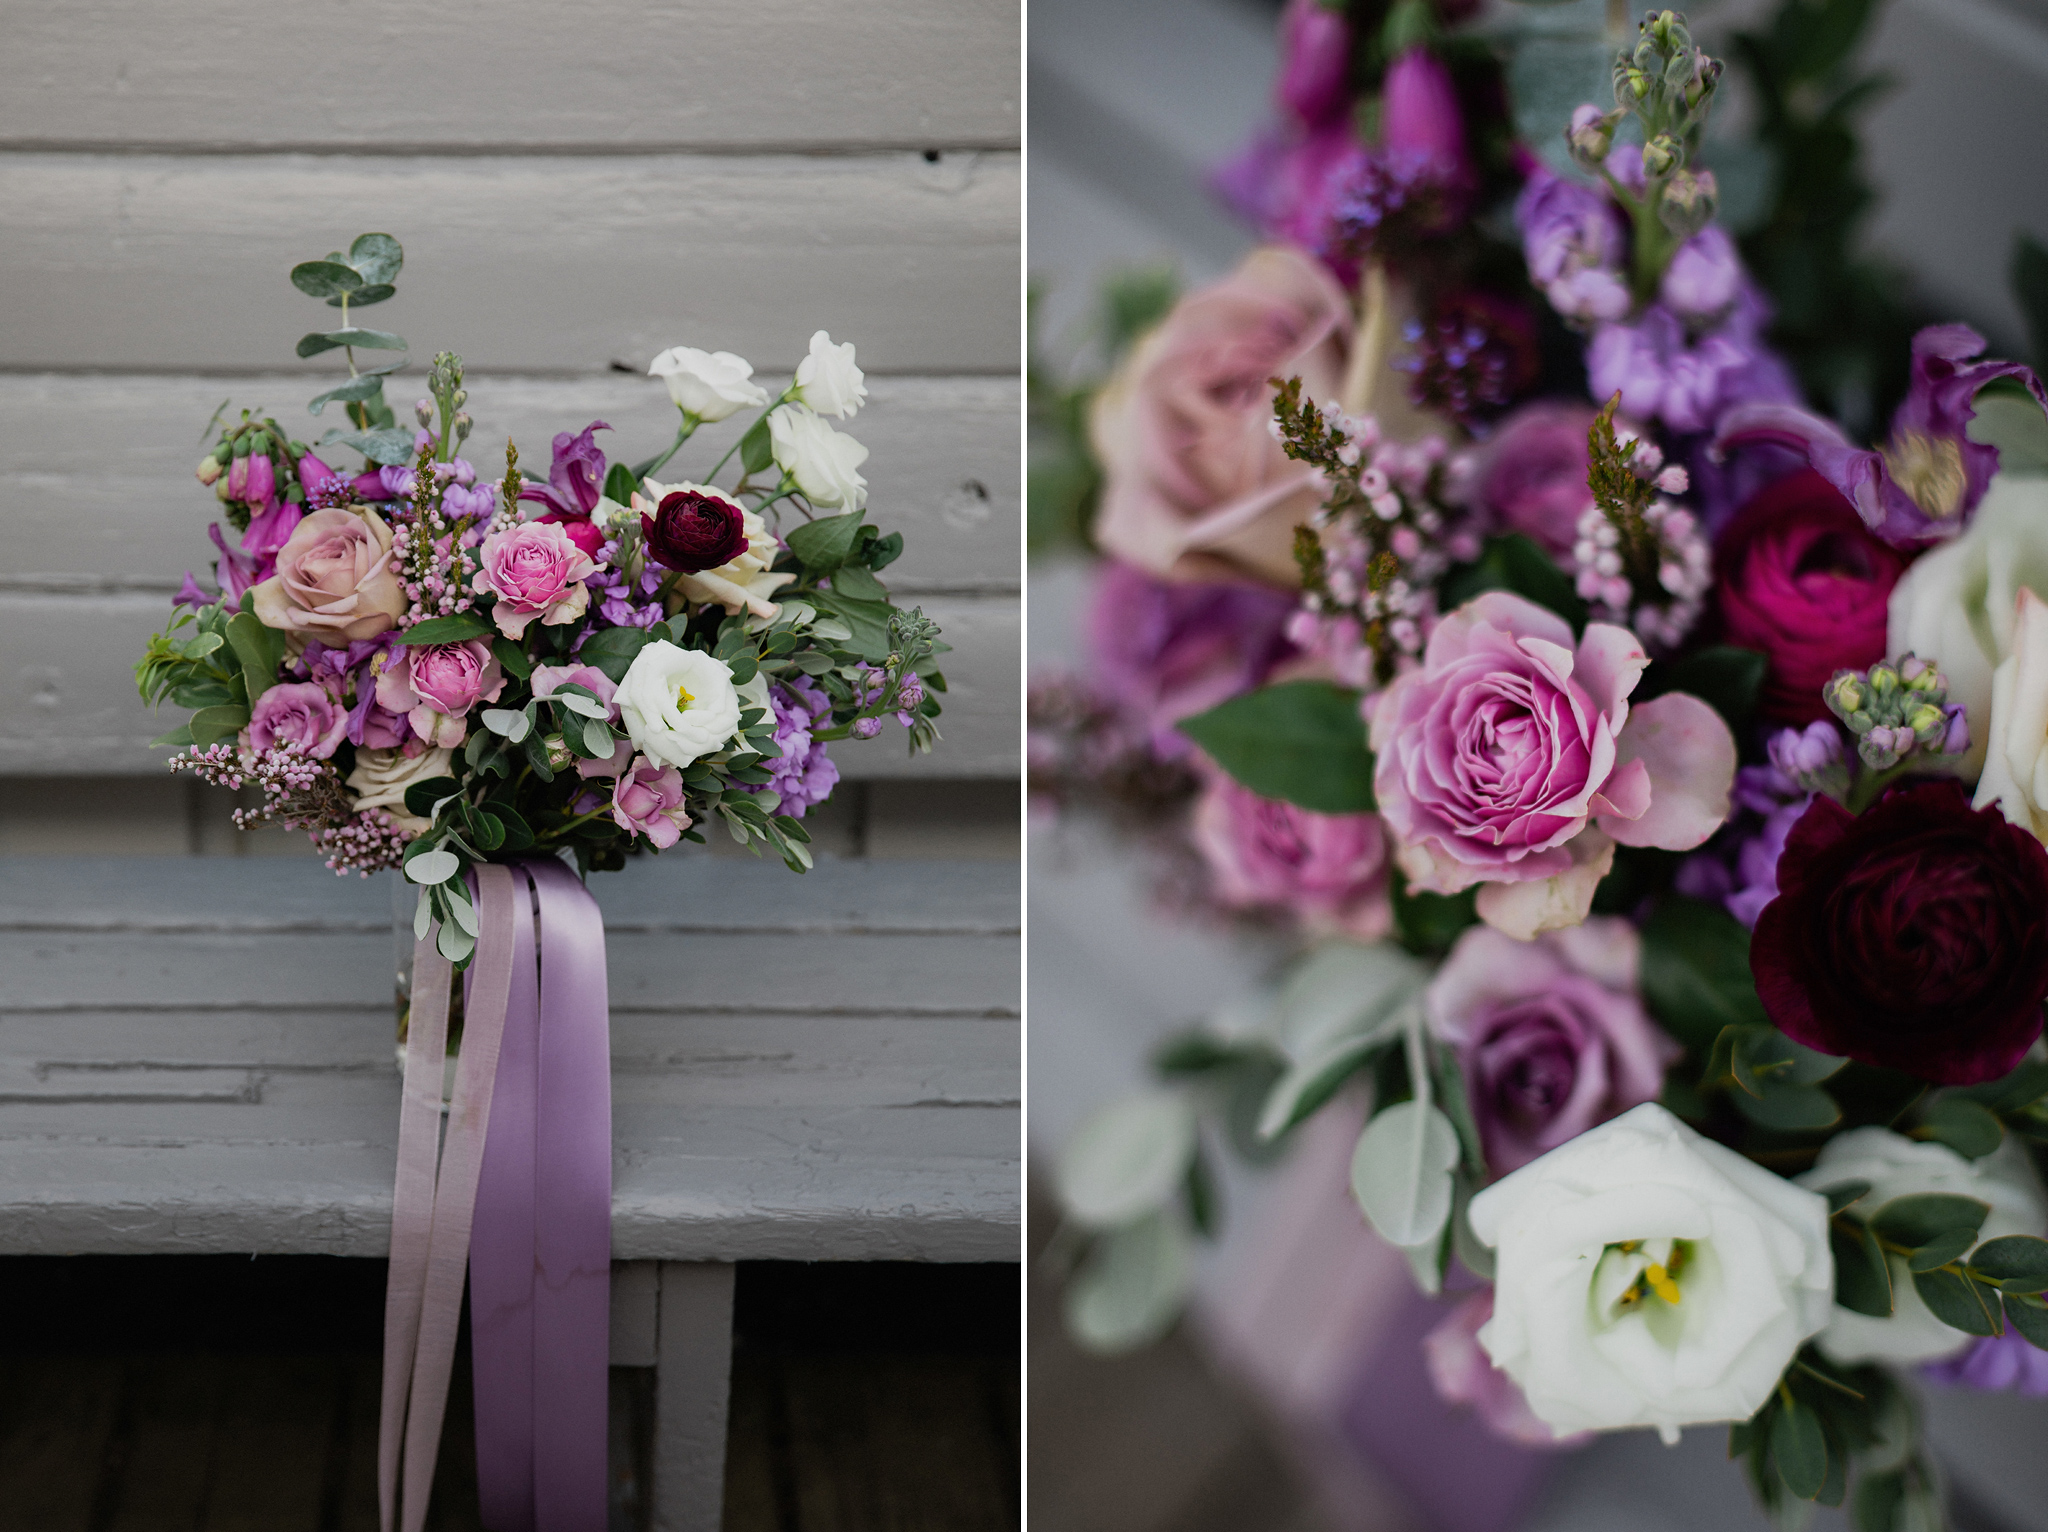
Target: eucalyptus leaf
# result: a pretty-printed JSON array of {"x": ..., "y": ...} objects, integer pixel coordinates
[
  {"x": 512, "y": 723},
  {"x": 2027, "y": 1316},
  {"x": 1127, "y": 1159},
  {"x": 363, "y": 297},
  {"x": 1956, "y": 1301},
  {"x": 1915, "y": 1220},
  {"x": 1863, "y": 1277},
  {"x": 433, "y": 867},
  {"x": 2017, "y": 1262},
  {"x": 377, "y": 256},
  {"x": 350, "y": 335},
  {"x": 1130, "y": 1289},
  {"x": 578, "y": 700},
  {"x": 392, "y": 448},
  {"x": 365, "y": 387},
  {"x": 1401, "y": 1172},
  {"x": 1302, "y": 742},
  {"x": 597, "y": 738},
  {"x": 1695, "y": 972},
  {"x": 455, "y": 944},
  {"x": 1967, "y": 1127},
  {"x": 460, "y": 909},
  {"x": 1789, "y": 1108},
  {"x": 1940, "y": 1250},
  {"x": 1800, "y": 1449},
  {"x": 612, "y": 650},
  {"x": 325, "y": 279}
]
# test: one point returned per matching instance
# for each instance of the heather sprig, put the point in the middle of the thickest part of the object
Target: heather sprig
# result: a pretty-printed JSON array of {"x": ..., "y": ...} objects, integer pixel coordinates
[{"x": 1641, "y": 558}]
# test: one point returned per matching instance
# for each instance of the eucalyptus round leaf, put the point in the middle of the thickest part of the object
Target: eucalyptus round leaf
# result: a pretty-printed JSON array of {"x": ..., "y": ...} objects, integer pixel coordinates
[
  {"x": 510, "y": 722},
  {"x": 325, "y": 279},
  {"x": 1344, "y": 991},
  {"x": 1131, "y": 1287},
  {"x": 377, "y": 256},
  {"x": 363, "y": 297},
  {"x": 1127, "y": 1159},
  {"x": 459, "y": 907},
  {"x": 454, "y": 943},
  {"x": 431, "y": 867},
  {"x": 1401, "y": 1172}
]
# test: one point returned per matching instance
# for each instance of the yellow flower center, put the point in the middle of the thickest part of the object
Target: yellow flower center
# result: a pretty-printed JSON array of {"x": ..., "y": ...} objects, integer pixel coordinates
[
  {"x": 1930, "y": 469},
  {"x": 1634, "y": 1271},
  {"x": 683, "y": 699}
]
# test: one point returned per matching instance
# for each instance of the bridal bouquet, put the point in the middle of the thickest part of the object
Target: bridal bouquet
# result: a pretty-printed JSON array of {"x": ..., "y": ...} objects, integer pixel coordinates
[
  {"x": 1662, "y": 773},
  {"x": 427, "y": 666}
]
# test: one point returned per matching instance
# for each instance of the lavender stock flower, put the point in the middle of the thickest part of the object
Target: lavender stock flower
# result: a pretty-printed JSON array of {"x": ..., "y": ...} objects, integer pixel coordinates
[{"x": 803, "y": 775}]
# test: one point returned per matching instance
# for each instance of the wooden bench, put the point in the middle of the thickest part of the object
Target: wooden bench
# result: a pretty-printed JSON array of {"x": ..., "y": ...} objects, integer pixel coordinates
[{"x": 196, "y": 1055}]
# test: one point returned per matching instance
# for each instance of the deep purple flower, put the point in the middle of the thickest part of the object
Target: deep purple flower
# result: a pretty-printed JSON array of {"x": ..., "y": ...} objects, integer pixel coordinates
[
  {"x": 692, "y": 530},
  {"x": 1383, "y": 201},
  {"x": 1315, "y": 63},
  {"x": 191, "y": 594},
  {"x": 1419, "y": 113},
  {"x": 1688, "y": 382},
  {"x": 804, "y": 774},
  {"x": 1575, "y": 242},
  {"x": 1165, "y": 650},
  {"x": 576, "y": 478},
  {"x": 1471, "y": 358},
  {"x": 1923, "y": 484},
  {"x": 2007, "y": 1363}
]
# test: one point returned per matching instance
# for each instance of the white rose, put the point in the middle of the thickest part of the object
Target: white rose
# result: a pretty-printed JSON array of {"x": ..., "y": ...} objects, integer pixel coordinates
[
  {"x": 828, "y": 381},
  {"x": 1899, "y": 1167},
  {"x": 2016, "y": 747},
  {"x": 822, "y": 459},
  {"x": 677, "y": 704},
  {"x": 1956, "y": 604},
  {"x": 741, "y": 583},
  {"x": 1647, "y": 1276},
  {"x": 707, "y": 384},
  {"x": 382, "y": 776}
]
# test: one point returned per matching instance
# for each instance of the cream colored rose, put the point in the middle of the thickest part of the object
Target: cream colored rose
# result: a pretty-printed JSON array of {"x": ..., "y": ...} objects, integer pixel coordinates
[
  {"x": 1958, "y": 604},
  {"x": 2016, "y": 751},
  {"x": 744, "y": 583},
  {"x": 824, "y": 462},
  {"x": 677, "y": 704},
  {"x": 382, "y": 776},
  {"x": 828, "y": 381},
  {"x": 708, "y": 385}
]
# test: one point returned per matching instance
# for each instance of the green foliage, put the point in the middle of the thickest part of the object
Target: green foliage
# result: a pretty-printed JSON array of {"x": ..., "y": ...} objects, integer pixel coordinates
[
  {"x": 1302, "y": 742},
  {"x": 457, "y": 629},
  {"x": 1514, "y": 562},
  {"x": 1727, "y": 679},
  {"x": 1695, "y": 972},
  {"x": 823, "y": 545},
  {"x": 2029, "y": 276},
  {"x": 1425, "y": 923}
]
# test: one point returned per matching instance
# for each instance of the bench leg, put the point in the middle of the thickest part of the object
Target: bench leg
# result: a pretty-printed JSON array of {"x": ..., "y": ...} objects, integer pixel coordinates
[{"x": 692, "y": 1377}]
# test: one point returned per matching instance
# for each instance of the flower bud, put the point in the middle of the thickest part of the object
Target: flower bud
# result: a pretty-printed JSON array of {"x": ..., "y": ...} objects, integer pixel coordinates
[
  {"x": 559, "y": 754},
  {"x": 1689, "y": 201},
  {"x": 865, "y": 728},
  {"x": 209, "y": 469},
  {"x": 1845, "y": 695},
  {"x": 1591, "y": 135},
  {"x": 1884, "y": 681},
  {"x": 1662, "y": 155},
  {"x": 463, "y": 426},
  {"x": 423, "y": 412},
  {"x": 1957, "y": 740},
  {"x": 1929, "y": 725}
]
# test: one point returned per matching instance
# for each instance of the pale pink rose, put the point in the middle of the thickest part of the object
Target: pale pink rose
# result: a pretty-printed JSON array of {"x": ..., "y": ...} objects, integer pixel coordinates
[
  {"x": 648, "y": 800},
  {"x": 536, "y": 570},
  {"x": 1195, "y": 485},
  {"x": 435, "y": 686},
  {"x": 334, "y": 580},
  {"x": 1511, "y": 758},
  {"x": 1550, "y": 1035},
  {"x": 547, "y": 678},
  {"x": 303, "y": 713},
  {"x": 1328, "y": 870},
  {"x": 1464, "y": 1374}
]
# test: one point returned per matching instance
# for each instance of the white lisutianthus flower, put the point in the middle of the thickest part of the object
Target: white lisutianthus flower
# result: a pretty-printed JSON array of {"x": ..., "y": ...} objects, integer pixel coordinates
[
  {"x": 677, "y": 704},
  {"x": 708, "y": 385},
  {"x": 823, "y": 461},
  {"x": 381, "y": 777},
  {"x": 2016, "y": 753},
  {"x": 1647, "y": 1276},
  {"x": 1896, "y": 1166},
  {"x": 828, "y": 381}
]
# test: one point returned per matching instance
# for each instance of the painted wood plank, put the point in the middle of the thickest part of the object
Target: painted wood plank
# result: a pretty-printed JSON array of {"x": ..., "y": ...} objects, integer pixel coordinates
[
  {"x": 691, "y": 1387},
  {"x": 615, "y": 73},
  {"x": 68, "y": 704},
  {"x": 178, "y": 262},
  {"x": 97, "y": 493}
]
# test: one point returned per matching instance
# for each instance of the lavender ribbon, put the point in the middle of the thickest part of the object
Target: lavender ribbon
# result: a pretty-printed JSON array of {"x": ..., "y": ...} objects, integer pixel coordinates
[{"x": 526, "y": 1204}]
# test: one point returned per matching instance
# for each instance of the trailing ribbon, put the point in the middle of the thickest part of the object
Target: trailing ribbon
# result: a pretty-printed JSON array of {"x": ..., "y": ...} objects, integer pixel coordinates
[{"x": 527, "y": 1205}]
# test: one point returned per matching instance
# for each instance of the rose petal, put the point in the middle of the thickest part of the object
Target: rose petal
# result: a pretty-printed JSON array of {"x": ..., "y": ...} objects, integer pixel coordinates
[
  {"x": 1610, "y": 662},
  {"x": 1690, "y": 756},
  {"x": 1523, "y": 910},
  {"x": 1625, "y": 795}
]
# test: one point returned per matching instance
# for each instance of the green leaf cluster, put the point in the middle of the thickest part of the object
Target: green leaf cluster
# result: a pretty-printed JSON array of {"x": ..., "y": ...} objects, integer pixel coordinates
[
  {"x": 366, "y": 275},
  {"x": 1303, "y": 742},
  {"x": 1825, "y": 1426},
  {"x": 1931, "y": 1239}
]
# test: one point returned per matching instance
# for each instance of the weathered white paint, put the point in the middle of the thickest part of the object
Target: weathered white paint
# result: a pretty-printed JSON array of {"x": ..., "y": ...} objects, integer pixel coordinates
[
  {"x": 196, "y": 1055},
  {"x": 691, "y": 1391},
  {"x": 68, "y": 704},
  {"x": 612, "y": 73},
  {"x": 535, "y": 263},
  {"x": 97, "y": 493}
]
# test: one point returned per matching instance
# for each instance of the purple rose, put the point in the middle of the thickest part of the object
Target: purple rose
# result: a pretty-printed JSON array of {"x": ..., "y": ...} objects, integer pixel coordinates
[
  {"x": 1531, "y": 477},
  {"x": 1550, "y": 1034},
  {"x": 1166, "y": 650},
  {"x": 536, "y": 570},
  {"x": 435, "y": 686},
  {"x": 1511, "y": 758},
  {"x": 1327, "y": 870},
  {"x": 302, "y": 713},
  {"x": 1315, "y": 63},
  {"x": 648, "y": 800}
]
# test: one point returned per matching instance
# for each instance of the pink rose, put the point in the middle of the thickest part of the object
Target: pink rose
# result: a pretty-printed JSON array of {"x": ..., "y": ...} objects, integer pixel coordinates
[
  {"x": 1196, "y": 487},
  {"x": 334, "y": 580},
  {"x": 648, "y": 800},
  {"x": 1532, "y": 475},
  {"x": 300, "y": 713},
  {"x": 1464, "y": 1374},
  {"x": 536, "y": 570},
  {"x": 435, "y": 686},
  {"x": 1511, "y": 758},
  {"x": 1330, "y": 870},
  {"x": 1550, "y": 1034}
]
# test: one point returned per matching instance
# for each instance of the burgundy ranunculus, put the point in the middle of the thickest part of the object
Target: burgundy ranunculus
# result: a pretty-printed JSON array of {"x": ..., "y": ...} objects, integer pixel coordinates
[
  {"x": 1913, "y": 936},
  {"x": 1803, "y": 580},
  {"x": 691, "y": 531}
]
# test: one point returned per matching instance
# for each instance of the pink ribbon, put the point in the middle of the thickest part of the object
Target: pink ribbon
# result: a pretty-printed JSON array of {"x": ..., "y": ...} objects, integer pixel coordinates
[{"x": 528, "y": 1205}]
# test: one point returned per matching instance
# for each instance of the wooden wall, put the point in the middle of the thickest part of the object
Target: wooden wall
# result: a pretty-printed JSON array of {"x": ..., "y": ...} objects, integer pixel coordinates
[{"x": 576, "y": 187}]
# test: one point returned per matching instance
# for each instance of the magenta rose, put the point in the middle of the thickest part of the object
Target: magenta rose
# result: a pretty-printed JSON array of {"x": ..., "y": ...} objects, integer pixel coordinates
[
  {"x": 1550, "y": 1034},
  {"x": 334, "y": 580},
  {"x": 1913, "y": 936},
  {"x": 1327, "y": 870},
  {"x": 1462, "y": 1373},
  {"x": 1531, "y": 476},
  {"x": 1803, "y": 580},
  {"x": 648, "y": 800},
  {"x": 536, "y": 570},
  {"x": 435, "y": 686},
  {"x": 1511, "y": 758},
  {"x": 302, "y": 713}
]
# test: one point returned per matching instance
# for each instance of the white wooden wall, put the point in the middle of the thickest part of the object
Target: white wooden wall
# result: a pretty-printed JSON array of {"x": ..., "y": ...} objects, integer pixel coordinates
[{"x": 577, "y": 186}]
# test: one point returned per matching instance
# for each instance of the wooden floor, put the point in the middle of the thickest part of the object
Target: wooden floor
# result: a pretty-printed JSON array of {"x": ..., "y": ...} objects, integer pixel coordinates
[{"x": 216, "y": 1394}]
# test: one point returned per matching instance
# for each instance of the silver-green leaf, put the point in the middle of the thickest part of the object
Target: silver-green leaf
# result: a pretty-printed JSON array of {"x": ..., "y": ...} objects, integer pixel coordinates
[
  {"x": 1401, "y": 1172},
  {"x": 1127, "y": 1159},
  {"x": 1131, "y": 1287}
]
